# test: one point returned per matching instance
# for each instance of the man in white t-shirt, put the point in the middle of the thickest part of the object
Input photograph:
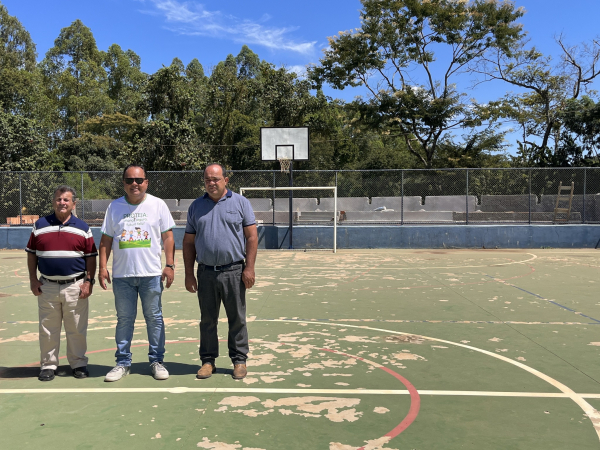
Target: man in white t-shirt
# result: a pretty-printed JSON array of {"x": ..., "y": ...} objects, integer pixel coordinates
[{"x": 133, "y": 228}]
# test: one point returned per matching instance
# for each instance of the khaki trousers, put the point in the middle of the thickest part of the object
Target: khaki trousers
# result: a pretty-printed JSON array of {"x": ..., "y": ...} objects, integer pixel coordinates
[{"x": 58, "y": 303}]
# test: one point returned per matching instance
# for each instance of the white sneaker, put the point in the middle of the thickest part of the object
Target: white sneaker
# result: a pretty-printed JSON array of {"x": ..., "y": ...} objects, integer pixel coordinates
[
  {"x": 117, "y": 373},
  {"x": 159, "y": 371}
]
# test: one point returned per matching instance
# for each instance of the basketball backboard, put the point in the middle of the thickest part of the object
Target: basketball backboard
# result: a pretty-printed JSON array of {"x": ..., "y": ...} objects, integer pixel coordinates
[{"x": 289, "y": 143}]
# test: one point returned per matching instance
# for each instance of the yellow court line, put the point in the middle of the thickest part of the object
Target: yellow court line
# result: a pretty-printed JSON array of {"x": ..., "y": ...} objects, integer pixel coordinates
[{"x": 188, "y": 390}]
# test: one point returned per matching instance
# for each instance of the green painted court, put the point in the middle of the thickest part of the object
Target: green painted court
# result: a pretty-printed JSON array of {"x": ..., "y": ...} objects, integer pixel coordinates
[{"x": 371, "y": 349}]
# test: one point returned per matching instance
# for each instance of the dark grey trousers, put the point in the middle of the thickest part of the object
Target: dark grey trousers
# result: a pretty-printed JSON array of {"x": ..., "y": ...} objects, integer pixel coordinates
[{"x": 227, "y": 287}]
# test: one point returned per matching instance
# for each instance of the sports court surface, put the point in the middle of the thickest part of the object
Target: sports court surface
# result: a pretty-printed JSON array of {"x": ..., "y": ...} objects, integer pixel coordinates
[{"x": 371, "y": 349}]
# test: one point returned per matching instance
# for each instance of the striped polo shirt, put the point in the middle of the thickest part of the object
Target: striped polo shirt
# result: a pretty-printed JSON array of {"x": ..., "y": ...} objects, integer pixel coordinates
[{"x": 61, "y": 248}]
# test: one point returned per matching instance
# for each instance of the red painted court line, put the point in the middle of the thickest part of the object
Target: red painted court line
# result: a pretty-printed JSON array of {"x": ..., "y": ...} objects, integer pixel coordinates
[{"x": 415, "y": 398}]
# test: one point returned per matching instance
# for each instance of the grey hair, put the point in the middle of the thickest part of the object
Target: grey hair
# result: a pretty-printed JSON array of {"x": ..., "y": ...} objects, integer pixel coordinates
[{"x": 64, "y": 188}]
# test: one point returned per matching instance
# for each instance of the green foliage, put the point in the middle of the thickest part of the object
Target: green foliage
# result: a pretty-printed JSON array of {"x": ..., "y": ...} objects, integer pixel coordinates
[
  {"x": 398, "y": 38},
  {"x": 75, "y": 79},
  {"x": 125, "y": 79},
  {"x": 23, "y": 146}
]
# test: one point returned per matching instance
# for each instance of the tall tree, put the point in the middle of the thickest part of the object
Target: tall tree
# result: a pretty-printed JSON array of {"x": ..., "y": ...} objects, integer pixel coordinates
[
  {"x": 544, "y": 89},
  {"x": 167, "y": 93},
  {"x": 126, "y": 81},
  {"x": 17, "y": 64},
  {"x": 75, "y": 78},
  {"x": 393, "y": 54}
]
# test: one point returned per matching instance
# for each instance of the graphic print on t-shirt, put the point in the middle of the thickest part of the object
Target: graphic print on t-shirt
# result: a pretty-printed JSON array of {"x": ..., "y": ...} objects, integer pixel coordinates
[{"x": 134, "y": 233}]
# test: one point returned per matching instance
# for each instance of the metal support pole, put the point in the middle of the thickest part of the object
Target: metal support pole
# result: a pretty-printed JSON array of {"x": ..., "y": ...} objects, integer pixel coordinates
[
  {"x": 274, "y": 185},
  {"x": 467, "y": 201},
  {"x": 584, "y": 190},
  {"x": 402, "y": 199},
  {"x": 291, "y": 205},
  {"x": 82, "y": 199},
  {"x": 20, "y": 201},
  {"x": 335, "y": 214},
  {"x": 529, "y": 203}
]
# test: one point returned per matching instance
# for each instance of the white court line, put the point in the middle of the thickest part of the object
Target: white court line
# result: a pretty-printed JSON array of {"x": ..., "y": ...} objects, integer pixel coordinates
[
  {"x": 187, "y": 390},
  {"x": 588, "y": 409},
  {"x": 382, "y": 267}
]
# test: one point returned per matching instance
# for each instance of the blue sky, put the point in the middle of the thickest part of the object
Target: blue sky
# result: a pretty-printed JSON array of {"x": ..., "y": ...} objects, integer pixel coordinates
[{"x": 284, "y": 33}]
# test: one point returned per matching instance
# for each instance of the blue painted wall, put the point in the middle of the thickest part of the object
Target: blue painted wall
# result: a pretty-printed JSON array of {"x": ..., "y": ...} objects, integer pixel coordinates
[{"x": 425, "y": 236}]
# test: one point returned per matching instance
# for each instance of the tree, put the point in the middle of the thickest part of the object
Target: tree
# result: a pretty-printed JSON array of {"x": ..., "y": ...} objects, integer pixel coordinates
[
  {"x": 23, "y": 145},
  {"x": 167, "y": 93},
  {"x": 75, "y": 78},
  {"x": 544, "y": 90},
  {"x": 580, "y": 139},
  {"x": 17, "y": 64},
  {"x": 126, "y": 81},
  {"x": 393, "y": 56}
]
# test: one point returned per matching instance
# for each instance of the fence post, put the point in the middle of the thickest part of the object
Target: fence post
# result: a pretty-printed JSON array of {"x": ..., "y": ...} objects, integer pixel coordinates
[
  {"x": 274, "y": 185},
  {"x": 529, "y": 202},
  {"x": 467, "y": 201},
  {"x": 584, "y": 190},
  {"x": 20, "y": 201},
  {"x": 82, "y": 199},
  {"x": 402, "y": 198}
]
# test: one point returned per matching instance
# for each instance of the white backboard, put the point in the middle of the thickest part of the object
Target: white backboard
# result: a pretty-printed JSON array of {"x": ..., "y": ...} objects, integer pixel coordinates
[{"x": 291, "y": 143}]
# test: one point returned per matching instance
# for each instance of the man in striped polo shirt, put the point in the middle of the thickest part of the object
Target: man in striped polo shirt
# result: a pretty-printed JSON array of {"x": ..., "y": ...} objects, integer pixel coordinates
[{"x": 62, "y": 248}]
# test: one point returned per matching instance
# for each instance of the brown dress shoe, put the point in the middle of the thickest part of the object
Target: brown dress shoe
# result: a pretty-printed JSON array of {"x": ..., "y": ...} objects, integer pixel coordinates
[
  {"x": 239, "y": 371},
  {"x": 206, "y": 371}
]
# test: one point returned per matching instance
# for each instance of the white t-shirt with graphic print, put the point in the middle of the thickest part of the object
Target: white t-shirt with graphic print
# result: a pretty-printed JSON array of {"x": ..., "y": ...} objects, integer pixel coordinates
[{"x": 136, "y": 232}]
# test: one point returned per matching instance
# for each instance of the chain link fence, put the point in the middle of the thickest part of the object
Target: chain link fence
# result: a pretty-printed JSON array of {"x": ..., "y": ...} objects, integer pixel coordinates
[{"x": 399, "y": 197}]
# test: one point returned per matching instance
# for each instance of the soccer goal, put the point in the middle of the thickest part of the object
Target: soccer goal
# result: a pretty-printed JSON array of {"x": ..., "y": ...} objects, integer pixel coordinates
[{"x": 310, "y": 215}]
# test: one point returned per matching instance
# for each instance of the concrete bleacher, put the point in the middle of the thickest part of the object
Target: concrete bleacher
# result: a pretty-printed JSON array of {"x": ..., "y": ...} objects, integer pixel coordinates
[
  {"x": 100, "y": 205},
  {"x": 452, "y": 203},
  {"x": 299, "y": 204},
  {"x": 507, "y": 203},
  {"x": 345, "y": 204},
  {"x": 261, "y": 204},
  {"x": 172, "y": 204},
  {"x": 184, "y": 204},
  {"x": 411, "y": 203}
]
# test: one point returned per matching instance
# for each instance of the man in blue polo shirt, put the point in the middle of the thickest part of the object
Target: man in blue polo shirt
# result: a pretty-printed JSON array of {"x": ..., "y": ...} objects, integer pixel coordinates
[
  {"x": 220, "y": 233},
  {"x": 61, "y": 246}
]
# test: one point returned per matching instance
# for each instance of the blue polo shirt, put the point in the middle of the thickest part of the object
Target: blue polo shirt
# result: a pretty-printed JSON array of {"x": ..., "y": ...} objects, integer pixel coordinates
[{"x": 219, "y": 228}]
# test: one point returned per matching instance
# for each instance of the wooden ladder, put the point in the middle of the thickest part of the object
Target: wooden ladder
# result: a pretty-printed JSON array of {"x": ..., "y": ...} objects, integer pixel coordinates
[{"x": 566, "y": 197}]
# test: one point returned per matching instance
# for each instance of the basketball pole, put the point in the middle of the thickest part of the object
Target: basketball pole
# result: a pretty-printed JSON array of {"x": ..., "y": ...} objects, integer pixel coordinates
[{"x": 291, "y": 195}]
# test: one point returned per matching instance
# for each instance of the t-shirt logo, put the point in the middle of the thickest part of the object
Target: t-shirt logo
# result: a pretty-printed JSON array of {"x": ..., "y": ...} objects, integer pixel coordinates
[{"x": 135, "y": 238}]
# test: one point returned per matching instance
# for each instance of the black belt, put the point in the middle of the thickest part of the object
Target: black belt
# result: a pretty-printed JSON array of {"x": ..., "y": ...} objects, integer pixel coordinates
[
  {"x": 221, "y": 268},
  {"x": 70, "y": 280}
]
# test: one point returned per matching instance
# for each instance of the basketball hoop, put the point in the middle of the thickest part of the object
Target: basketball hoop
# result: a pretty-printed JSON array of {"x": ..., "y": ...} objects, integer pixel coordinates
[{"x": 285, "y": 164}]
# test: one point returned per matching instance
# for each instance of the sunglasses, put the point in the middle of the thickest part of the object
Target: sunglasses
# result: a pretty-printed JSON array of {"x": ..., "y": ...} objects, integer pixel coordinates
[{"x": 131, "y": 180}]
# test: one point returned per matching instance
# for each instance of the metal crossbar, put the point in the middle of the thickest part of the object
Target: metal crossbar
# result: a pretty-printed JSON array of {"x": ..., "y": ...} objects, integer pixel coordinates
[{"x": 308, "y": 188}]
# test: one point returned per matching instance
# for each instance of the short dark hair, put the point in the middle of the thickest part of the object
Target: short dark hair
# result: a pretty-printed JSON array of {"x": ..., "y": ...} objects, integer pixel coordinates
[
  {"x": 223, "y": 169},
  {"x": 64, "y": 188},
  {"x": 134, "y": 165}
]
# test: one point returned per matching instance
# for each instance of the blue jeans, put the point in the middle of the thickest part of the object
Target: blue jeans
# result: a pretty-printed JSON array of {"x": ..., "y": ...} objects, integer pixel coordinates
[{"x": 126, "y": 292}]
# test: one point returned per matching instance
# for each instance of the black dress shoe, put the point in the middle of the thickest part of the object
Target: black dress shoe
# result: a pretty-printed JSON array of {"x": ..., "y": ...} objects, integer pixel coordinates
[
  {"x": 81, "y": 372},
  {"x": 46, "y": 375}
]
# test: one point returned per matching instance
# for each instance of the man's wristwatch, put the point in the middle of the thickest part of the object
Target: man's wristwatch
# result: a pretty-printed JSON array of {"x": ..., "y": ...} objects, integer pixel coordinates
[
  {"x": 92, "y": 281},
  {"x": 171, "y": 266}
]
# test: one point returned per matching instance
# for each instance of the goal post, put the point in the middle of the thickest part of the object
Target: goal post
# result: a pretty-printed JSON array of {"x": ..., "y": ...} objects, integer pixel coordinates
[{"x": 308, "y": 188}]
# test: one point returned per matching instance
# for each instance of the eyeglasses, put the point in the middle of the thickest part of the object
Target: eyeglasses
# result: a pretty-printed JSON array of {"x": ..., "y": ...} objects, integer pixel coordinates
[{"x": 131, "y": 180}]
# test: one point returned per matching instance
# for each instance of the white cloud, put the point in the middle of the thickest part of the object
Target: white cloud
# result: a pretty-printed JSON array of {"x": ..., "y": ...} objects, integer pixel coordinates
[
  {"x": 298, "y": 70},
  {"x": 192, "y": 19}
]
